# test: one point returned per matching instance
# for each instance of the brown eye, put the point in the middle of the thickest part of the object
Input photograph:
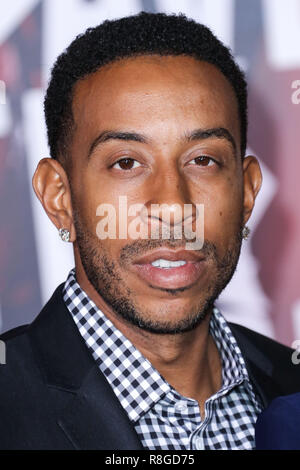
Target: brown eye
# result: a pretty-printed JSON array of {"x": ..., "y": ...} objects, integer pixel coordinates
[
  {"x": 127, "y": 164},
  {"x": 203, "y": 160}
]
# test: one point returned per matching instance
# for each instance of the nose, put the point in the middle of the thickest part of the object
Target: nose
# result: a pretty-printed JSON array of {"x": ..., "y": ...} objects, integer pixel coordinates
[{"x": 169, "y": 199}]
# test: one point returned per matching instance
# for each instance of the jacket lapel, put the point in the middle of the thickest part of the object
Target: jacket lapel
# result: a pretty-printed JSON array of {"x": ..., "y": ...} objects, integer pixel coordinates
[
  {"x": 94, "y": 417},
  {"x": 259, "y": 366}
]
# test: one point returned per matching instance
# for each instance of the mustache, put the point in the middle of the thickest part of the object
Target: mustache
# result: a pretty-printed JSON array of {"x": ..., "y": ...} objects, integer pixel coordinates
[{"x": 140, "y": 247}]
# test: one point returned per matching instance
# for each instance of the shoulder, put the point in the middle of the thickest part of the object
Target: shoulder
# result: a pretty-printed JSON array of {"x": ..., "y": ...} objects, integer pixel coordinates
[
  {"x": 268, "y": 345},
  {"x": 16, "y": 345},
  {"x": 13, "y": 342},
  {"x": 17, "y": 355},
  {"x": 273, "y": 358},
  {"x": 13, "y": 333}
]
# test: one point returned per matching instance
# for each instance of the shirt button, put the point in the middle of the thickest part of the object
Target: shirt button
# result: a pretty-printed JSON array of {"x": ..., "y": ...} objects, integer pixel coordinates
[
  {"x": 199, "y": 443},
  {"x": 180, "y": 406}
]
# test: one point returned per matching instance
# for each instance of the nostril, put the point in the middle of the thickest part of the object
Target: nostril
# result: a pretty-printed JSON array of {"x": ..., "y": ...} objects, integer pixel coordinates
[{"x": 173, "y": 213}]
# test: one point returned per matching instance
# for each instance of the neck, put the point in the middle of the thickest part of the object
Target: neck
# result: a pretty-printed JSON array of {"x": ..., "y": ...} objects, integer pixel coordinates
[{"x": 190, "y": 362}]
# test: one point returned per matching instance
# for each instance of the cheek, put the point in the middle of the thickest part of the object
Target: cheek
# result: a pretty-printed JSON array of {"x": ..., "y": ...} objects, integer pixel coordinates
[
  {"x": 222, "y": 213},
  {"x": 94, "y": 200},
  {"x": 106, "y": 205}
]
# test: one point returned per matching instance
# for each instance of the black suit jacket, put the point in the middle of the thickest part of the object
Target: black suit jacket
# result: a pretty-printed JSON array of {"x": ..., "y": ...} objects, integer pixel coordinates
[{"x": 53, "y": 395}]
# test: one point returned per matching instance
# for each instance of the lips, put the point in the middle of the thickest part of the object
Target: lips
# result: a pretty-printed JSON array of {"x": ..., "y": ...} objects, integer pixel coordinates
[
  {"x": 173, "y": 277},
  {"x": 185, "y": 255}
]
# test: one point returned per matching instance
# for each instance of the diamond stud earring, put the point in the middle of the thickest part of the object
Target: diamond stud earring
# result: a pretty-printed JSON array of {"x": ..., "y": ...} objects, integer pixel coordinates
[
  {"x": 64, "y": 234},
  {"x": 246, "y": 232}
]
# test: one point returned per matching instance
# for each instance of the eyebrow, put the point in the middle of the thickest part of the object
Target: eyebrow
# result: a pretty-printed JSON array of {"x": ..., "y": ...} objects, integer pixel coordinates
[
  {"x": 116, "y": 135},
  {"x": 219, "y": 132},
  {"x": 197, "y": 134}
]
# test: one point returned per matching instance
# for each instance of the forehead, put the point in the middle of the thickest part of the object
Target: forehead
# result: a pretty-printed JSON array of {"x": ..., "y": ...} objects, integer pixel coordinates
[{"x": 148, "y": 91}]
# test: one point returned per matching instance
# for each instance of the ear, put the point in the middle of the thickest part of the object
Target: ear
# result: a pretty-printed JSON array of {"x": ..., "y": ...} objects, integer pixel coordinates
[
  {"x": 252, "y": 184},
  {"x": 51, "y": 185}
]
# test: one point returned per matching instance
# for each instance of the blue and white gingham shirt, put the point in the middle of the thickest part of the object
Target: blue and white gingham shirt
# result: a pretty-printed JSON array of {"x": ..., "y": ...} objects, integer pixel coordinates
[{"x": 162, "y": 417}]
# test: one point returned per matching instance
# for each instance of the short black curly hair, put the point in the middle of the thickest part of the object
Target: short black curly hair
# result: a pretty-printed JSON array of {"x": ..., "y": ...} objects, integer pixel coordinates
[{"x": 141, "y": 34}]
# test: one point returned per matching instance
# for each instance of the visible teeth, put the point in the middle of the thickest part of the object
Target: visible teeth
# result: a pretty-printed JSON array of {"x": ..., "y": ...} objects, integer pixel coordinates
[{"x": 164, "y": 263}]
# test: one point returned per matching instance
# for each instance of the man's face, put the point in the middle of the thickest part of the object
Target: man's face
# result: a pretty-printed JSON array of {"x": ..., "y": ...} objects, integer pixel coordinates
[{"x": 162, "y": 102}]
